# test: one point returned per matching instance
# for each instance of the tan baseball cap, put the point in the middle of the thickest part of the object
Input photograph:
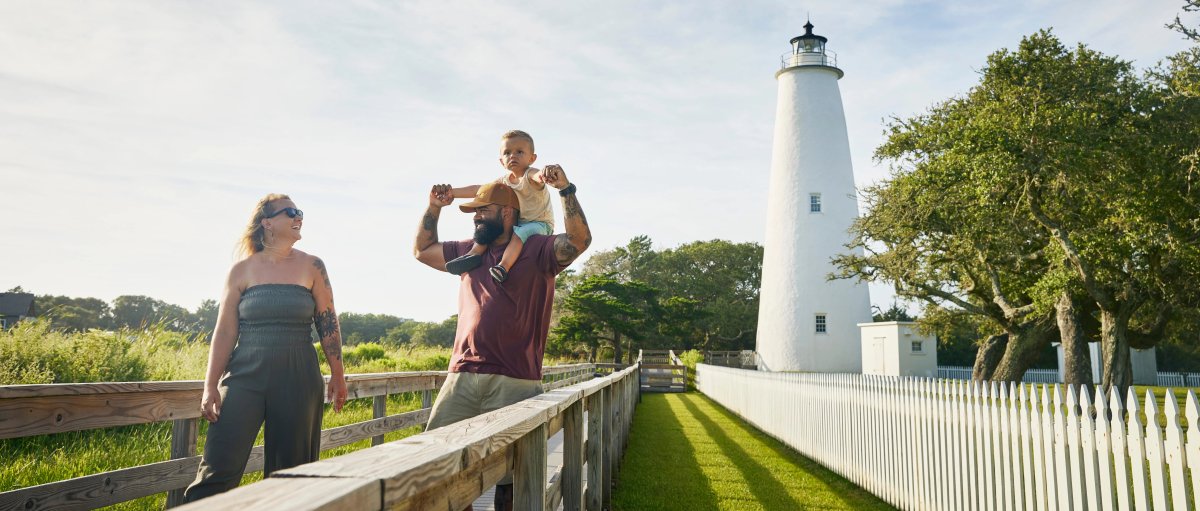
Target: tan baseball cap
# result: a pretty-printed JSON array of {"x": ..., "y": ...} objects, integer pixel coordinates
[{"x": 494, "y": 192}]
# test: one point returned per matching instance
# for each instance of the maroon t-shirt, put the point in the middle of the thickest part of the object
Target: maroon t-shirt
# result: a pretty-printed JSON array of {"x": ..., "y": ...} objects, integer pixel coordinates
[{"x": 502, "y": 327}]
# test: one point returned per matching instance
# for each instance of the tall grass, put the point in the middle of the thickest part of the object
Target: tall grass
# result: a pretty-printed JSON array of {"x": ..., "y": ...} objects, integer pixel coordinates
[{"x": 32, "y": 352}]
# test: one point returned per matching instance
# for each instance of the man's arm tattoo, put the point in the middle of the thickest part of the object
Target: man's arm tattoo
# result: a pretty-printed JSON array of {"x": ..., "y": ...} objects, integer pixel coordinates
[
  {"x": 324, "y": 274},
  {"x": 564, "y": 249},
  {"x": 571, "y": 209},
  {"x": 327, "y": 330},
  {"x": 429, "y": 223}
]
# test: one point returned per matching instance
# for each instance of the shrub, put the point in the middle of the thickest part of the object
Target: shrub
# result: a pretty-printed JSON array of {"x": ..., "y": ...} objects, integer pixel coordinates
[
  {"x": 690, "y": 358},
  {"x": 364, "y": 352}
]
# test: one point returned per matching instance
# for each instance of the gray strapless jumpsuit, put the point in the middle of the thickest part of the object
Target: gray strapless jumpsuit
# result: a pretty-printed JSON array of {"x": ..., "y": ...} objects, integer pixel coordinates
[{"x": 273, "y": 375}]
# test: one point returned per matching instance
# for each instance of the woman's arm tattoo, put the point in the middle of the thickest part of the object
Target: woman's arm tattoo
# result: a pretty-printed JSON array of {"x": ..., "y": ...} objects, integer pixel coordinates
[{"x": 327, "y": 330}]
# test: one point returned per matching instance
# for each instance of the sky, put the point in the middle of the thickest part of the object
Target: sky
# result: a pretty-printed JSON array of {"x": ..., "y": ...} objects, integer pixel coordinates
[{"x": 136, "y": 136}]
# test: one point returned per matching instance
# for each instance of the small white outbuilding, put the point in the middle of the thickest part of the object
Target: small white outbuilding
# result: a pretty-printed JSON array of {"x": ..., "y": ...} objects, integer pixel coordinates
[{"x": 896, "y": 348}]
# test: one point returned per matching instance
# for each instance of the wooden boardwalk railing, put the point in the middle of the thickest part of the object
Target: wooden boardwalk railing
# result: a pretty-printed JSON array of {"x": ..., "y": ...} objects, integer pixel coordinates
[
  {"x": 448, "y": 468},
  {"x": 30, "y": 410},
  {"x": 662, "y": 371}
]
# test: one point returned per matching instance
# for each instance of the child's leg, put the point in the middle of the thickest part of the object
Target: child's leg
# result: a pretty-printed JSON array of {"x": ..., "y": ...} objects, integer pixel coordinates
[
  {"x": 468, "y": 261},
  {"x": 512, "y": 252}
]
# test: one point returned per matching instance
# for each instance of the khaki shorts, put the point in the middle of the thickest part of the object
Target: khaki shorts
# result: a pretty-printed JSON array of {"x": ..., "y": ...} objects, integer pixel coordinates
[{"x": 465, "y": 395}]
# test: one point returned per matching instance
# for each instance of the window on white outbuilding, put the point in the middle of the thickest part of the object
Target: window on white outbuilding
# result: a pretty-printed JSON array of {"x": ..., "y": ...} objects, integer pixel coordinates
[
  {"x": 814, "y": 203},
  {"x": 820, "y": 323},
  {"x": 916, "y": 347}
]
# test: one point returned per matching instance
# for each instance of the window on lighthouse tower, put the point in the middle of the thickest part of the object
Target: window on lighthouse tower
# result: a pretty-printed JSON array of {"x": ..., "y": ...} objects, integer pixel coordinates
[
  {"x": 814, "y": 203},
  {"x": 820, "y": 323}
]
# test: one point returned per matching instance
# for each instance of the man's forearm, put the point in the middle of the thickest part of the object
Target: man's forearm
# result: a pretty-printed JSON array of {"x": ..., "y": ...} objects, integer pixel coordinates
[
  {"x": 427, "y": 231},
  {"x": 579, "y": 234}
]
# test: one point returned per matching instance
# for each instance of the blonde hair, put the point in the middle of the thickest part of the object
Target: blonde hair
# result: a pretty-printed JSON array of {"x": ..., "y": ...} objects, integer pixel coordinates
[
  {"x": 252, "y": 239},
  {"x": 518, "y": 134}
]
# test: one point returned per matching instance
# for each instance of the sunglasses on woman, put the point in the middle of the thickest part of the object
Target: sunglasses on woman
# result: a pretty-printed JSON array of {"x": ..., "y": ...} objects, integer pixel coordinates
[{"x": 291, "y": 213}]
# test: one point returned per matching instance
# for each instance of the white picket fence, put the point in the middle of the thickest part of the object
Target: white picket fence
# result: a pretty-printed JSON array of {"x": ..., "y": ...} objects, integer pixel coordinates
[
  {"x": 1170, "y": 379},
  {"x": 943, "y": 444},
  {"x": 1031, "y": 375}
]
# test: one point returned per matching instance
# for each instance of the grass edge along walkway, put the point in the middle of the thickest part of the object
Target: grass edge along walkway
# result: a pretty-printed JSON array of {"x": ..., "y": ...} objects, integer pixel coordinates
[{"x": 687, "y": 452}]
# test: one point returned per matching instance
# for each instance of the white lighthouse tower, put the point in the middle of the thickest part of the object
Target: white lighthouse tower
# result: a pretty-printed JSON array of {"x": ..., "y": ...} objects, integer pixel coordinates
[{"x": 806, "y": 322}]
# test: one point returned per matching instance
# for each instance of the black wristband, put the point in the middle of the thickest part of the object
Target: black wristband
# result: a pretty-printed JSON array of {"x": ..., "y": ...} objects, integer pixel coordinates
[{"x": 570, "y": 189}]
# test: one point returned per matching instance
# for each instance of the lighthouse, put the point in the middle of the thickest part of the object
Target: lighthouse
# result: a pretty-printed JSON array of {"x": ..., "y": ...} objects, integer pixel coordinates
[{"x": 805, "y": 321}]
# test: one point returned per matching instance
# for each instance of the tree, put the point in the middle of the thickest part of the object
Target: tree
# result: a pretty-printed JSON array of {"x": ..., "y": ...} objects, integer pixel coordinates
[
  {"x": 714, "y": 285},
  {"x": 204, "y": 320},
  {"x": 602, "y": 308},
  {"x": 74, "y": 314},
  {"x": 135, "y": 311},
  {"x": 358, "y": 328},
  {"x": 1064, "y": 177}
]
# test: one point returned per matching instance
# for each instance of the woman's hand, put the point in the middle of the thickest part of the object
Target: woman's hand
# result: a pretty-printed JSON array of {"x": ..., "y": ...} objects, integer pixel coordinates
[
  {"x": 335, "y": 392},
  {"x": 210, "y": 404}
]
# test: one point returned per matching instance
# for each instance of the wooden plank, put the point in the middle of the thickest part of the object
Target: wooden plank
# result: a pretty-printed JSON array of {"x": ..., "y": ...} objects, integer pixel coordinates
[
  {"x": 1173, "y": 448},
  {"x": 572, "y": 467},
  {"x": 378, "y": 411},
  {"x": 609, "y": 451},
  {"x": 1155, "y": 457},
  {"x": 461, "y": 489},
  {"x": 313, "y": 494},
  {"x": 1192, "y": 413},
  {"x": 92, "y": 491},
  {"x": 29, "y": 410},
  {"x": 1117, "y": 451},
  {"x": 183, "y": 445},
  {"x": 529, "y": 471},
  {"x": 374, "y": 428},
  {"x": 594, "y": 493},
  {"x": 1137, "y": 454},
  {"x": 77, "y": 389},
  {"x": 62, "y": 413}
]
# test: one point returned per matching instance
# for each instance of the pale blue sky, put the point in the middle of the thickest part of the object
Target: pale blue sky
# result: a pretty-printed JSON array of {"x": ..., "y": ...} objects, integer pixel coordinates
[{"x": 136, "y": 136}]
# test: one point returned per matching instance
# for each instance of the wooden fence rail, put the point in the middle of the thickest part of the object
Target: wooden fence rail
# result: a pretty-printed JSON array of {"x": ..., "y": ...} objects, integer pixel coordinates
[
  {"x": 30, "y": 410},
  {"x": 941, "y": 444},
  {"x": 662, "y": 371},
  {"x": 450, "y": 467}
]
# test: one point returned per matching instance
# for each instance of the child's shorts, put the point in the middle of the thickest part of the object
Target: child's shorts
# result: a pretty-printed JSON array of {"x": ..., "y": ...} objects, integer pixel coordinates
[{"x": 524, "y": 230}]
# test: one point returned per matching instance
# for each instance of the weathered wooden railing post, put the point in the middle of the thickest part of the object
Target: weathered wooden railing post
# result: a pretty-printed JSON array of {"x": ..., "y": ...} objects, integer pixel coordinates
[
  {"x": 572, "y": 478},
  {"x": 607, "y": 411},
  {"x": 595, "y": 452},
  {"x": 183, "y": 445},
  {"x": 379, "y": 412},
  {"x": 529, "y": 472}
]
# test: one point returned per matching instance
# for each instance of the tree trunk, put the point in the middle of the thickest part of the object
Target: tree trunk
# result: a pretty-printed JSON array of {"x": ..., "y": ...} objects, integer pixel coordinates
[
  {"x": 1024, "y": 347},
  {"x": 1077, "y": 362},
  {"x": 988, "y": 357},
  {"x": 1114, "y": 349},
  {"x": 616, "y": 348}
]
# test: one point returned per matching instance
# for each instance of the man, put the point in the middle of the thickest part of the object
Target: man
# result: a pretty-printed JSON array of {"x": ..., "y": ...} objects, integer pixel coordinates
[{"x": 502, "y": 327}]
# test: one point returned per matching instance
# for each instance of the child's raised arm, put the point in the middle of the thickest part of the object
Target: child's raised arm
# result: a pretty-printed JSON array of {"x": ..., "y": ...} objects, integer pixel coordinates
[
  {"x": 465, "y": 192},
  {"x": 535, "y": 176}
]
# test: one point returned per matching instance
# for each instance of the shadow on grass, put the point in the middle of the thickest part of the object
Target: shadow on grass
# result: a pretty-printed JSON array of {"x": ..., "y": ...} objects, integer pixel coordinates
[
  {"x": 660, "y": 469},
  {"x": 764, "y": 484}
]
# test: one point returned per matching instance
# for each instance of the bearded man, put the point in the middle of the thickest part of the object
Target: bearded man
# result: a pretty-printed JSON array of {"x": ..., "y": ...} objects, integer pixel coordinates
[{"x": 502, "y": 327}]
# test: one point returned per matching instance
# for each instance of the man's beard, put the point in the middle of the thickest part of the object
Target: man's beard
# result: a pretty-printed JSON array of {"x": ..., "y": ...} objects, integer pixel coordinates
[{"x": 486, "y": 231}]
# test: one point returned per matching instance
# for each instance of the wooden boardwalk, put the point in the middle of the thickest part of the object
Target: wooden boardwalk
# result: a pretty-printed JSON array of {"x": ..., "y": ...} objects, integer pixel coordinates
[{"x": 554, "y": 461}]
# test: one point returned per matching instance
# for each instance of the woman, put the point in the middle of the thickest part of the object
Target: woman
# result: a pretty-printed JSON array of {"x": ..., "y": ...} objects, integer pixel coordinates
[{"x": 261, "y": 365}]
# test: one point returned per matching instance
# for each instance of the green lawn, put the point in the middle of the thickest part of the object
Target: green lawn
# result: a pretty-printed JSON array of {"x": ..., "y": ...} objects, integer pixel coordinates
[{"x": 686, "y": 452}]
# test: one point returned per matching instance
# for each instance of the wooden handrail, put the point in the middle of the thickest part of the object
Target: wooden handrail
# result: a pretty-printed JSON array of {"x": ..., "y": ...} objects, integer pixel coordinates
[
  {"x": 450, "y": 467},
  {"x": 30, "y": 410}
]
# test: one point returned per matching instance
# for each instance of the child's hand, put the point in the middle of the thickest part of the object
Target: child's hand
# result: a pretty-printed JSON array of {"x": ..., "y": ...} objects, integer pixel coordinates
[
  {"x": 554, "y": 176},
  {"x": 440, "y": 196}
]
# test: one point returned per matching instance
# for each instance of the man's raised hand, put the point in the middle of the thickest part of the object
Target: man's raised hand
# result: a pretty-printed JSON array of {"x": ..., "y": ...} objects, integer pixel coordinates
[
  {"x": 440, "y": 196},
  {"x": 554, "y": 176}
]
